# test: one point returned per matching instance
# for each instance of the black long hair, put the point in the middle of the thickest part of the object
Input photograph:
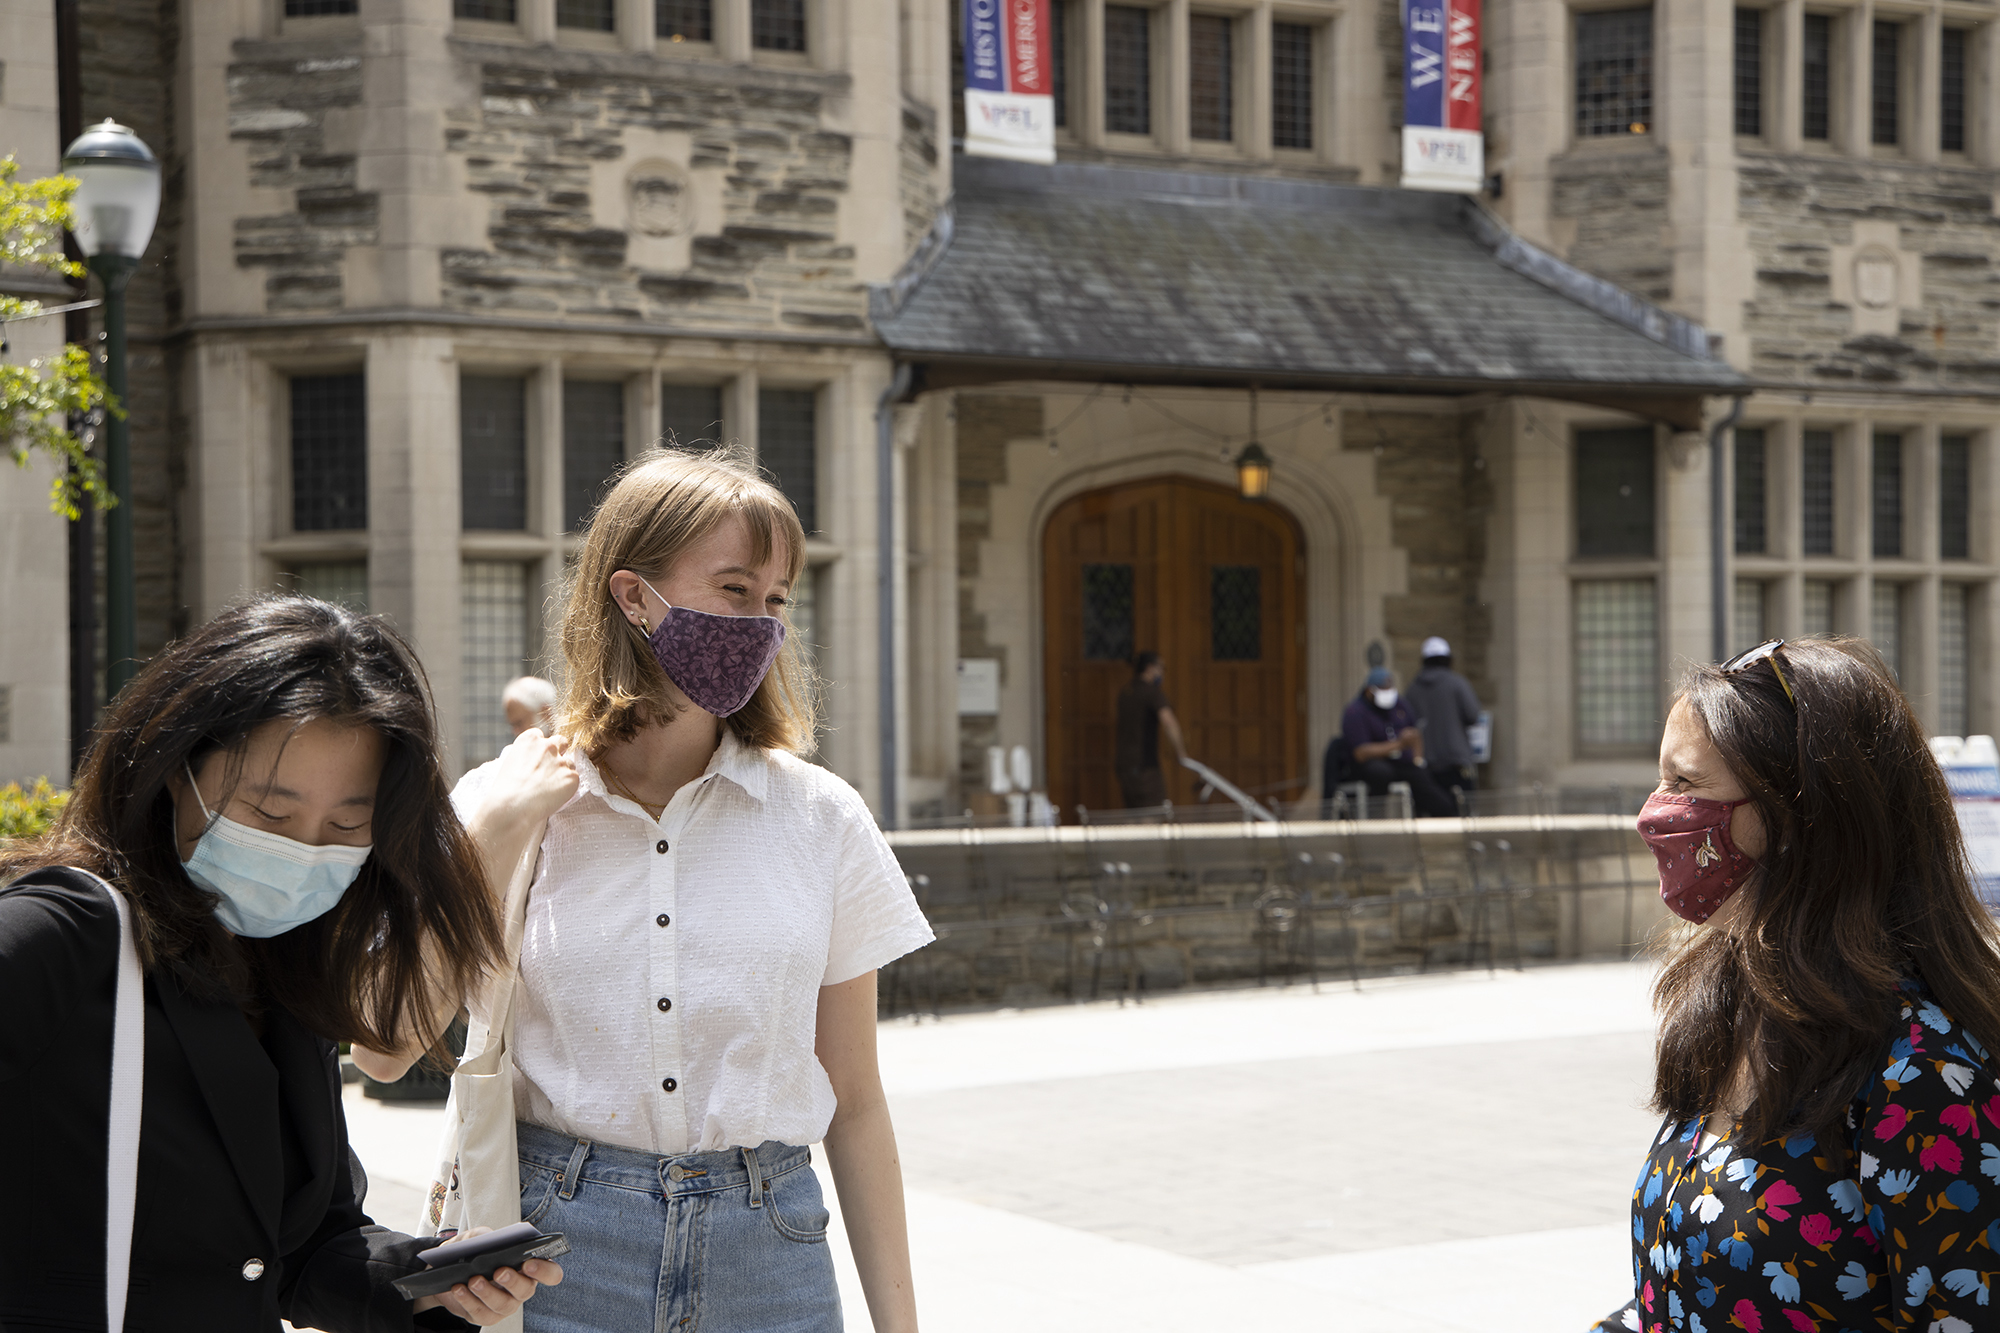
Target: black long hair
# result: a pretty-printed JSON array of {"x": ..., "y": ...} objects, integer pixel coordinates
[
  {"x": 1864, "y": 880},
  {"x": 418, "y": 926}
]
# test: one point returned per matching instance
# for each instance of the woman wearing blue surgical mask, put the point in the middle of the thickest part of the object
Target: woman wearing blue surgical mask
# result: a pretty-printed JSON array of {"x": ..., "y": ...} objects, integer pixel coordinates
[
  {"x": 699, "y": 956},
  {"x": 265, "y": 801}
]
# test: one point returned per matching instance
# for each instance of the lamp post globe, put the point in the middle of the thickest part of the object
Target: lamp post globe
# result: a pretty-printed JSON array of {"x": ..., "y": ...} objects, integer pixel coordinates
[{"x": 116, "y": 203}]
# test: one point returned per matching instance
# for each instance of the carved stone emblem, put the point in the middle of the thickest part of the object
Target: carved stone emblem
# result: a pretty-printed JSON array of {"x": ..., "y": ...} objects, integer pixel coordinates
[
  {"x": 1875, "y": 278},
  {"x": 657, "y": 198}
]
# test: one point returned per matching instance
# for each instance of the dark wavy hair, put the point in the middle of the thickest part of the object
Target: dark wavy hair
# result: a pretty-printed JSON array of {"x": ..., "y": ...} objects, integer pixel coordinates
[
  {"x": 417, "y": 928},
  {"x": 1864, "y": 880}
]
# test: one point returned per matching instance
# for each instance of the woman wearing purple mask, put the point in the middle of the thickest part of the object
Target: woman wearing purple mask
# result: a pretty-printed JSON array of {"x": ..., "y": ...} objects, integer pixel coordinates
[
  {"x": 1828, "y": 1159},
  {"x": 698, "y": 962}
]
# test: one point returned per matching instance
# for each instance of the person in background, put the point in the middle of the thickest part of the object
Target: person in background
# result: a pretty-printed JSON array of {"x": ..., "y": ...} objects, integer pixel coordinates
[
  {"x": 1445, "y": 707},
  {"x": 1144, "y": 711},
  {"x": 1824, "y": 1061},
  {"x": 1381, "y": 728},
  {"x": 530, "y": 701}
]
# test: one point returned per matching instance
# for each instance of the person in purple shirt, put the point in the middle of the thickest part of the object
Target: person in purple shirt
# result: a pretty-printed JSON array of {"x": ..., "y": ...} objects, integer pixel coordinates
[{"x": 1381, "y": 728}]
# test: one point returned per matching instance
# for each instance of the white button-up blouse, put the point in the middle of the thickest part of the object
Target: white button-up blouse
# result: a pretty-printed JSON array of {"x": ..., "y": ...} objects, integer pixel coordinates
[{"x": 671, "y": 970}]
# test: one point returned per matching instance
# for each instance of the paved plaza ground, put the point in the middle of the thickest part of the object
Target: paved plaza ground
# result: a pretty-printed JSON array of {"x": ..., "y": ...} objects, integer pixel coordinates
[{"x": 1448, "y": 1152}]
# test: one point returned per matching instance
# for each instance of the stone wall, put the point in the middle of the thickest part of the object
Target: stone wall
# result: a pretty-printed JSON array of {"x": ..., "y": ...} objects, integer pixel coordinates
[
  {"x": 985, "y": 423},
  {"x": 1614, "y": 205},
  {"x": 919, "y": 155},
  {"x": 1803, "y": 213},
  {"x": 1428, "y": 469}
]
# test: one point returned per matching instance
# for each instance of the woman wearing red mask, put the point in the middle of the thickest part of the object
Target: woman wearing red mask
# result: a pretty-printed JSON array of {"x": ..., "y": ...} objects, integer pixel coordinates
[{"x": 1831, "y": 1153}]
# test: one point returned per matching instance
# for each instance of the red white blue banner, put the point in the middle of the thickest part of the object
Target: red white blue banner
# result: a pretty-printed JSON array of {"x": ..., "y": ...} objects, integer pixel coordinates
[
  {"x": 1010, "y": 105},
  {"x": 1443, "y": 148}
]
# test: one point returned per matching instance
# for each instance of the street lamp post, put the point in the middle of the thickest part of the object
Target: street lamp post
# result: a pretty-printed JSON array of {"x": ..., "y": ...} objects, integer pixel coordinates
[{"x": 116, "y": 203}]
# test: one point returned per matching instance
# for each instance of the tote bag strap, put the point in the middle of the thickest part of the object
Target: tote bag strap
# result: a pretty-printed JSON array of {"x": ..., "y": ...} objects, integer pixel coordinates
[{"x": 128, "y": 1085}]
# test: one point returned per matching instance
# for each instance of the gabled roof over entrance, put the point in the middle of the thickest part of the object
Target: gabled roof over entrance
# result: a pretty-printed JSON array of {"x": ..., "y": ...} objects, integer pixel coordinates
[{"x": 1107, "y": 273}]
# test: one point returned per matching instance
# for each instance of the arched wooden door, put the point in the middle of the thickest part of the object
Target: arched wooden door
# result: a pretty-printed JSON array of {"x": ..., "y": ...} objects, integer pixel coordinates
[{"x": 1214, "y": 584}]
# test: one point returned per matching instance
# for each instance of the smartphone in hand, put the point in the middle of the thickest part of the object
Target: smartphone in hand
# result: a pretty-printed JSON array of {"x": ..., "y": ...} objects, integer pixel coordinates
[{"x": 481, "y": 1256}]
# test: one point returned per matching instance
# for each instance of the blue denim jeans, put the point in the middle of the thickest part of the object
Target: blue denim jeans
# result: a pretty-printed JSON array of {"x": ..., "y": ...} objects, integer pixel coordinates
[{"x": 720, "y": 1242}]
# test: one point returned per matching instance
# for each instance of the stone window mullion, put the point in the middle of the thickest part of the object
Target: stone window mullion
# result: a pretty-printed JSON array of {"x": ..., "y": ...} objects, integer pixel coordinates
[
  {"x": 1856, "y": 80},
  {"x": 1254, "y": 114},
  {"x": 1784, "y": 65},
  {"x": 1925, "y": 75},
  {"x": 1172, "y": 70}
]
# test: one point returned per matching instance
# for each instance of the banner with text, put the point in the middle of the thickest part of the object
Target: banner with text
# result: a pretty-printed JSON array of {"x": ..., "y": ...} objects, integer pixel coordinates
[
  {"x": 1442, "y": 145},
  {"x": 1010, "y": 107}
]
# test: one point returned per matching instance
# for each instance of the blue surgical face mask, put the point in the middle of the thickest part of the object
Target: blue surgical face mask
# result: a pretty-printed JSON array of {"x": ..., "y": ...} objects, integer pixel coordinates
[{"x": 269, "y": 883}]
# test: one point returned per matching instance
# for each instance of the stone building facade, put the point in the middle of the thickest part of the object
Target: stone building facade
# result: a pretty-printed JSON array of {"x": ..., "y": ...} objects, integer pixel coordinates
[{"x": 428, "y": 269}]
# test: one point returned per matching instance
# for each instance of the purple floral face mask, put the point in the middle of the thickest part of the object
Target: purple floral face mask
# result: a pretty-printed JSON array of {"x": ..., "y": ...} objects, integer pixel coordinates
[{"x": 717, "y": 661}]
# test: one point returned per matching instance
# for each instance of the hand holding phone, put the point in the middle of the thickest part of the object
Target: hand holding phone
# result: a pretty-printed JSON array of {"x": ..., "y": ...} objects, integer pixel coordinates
[{"x": 479, "y": 1256}]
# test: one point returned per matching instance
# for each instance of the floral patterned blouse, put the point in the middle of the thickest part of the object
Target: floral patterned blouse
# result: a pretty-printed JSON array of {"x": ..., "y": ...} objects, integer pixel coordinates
[{"x": 1902, "y": 1231}]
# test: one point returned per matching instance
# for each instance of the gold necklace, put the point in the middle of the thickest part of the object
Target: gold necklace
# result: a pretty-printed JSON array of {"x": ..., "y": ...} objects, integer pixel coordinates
[{"x": 612, "y": 778}]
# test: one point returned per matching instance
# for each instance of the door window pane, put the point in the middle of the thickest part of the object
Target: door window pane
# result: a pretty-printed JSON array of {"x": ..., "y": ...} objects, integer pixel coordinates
[
  {"x": 1953, "y": 719},
  {"x": 1955, "y": 497},
  {"x": 1614, "y": 492},
  {"x": 1750, "y": 73},
  {"x": 1951, "y": 92},
  {"x": 1614, "y": 72},
  {"x": 1816, "y": 492},
  {"x": 329, "y": 453},
  {"x": 1885, "y": 623},
  {"x": 1885, "y": 91},
  {"x": 1059, "y": 59},
  {"x": 1235, "y": 613},
  {"x": 788, "y": 448},
  {"x": 683, "y": 21},
  {"x": 1816, "y": 83},
  {"x": 491, "y": 11},
  {"x": 1128, "y": 70},
  {"x": 593, "y": 445},
  {"x": 1211, "y": 71},
  {"x": 690, "y": 414},
  {"x": 1107, "y": 613},
  {"x": 1817, "y": 611},
  {"x": 342, "y": 581},
  {"x": 1886, "y": 496},
  {"x": 298, "y": 9},
  {"x": 493, "y": 452},
  {"x": 494, "y": 627},
  {"x": 1750, "y": 511},
  {"x": 1747, "y": 619},
  {"x": 1617, "y": 664},
  {"x": 778, "y": 25},
  {"x": 1291, "y": 85}
]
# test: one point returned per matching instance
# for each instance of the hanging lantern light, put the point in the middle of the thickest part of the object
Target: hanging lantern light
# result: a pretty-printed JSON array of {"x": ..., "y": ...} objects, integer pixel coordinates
[{"x": 1253, "y": 472}]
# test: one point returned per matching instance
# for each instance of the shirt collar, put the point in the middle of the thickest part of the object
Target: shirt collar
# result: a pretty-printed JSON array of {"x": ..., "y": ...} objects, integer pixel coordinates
[{"x": 745, "y": 765}]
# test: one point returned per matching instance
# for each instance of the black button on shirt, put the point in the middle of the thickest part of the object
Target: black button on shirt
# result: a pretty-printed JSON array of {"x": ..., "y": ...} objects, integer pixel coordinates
[
  {"x": 664, "y": 919},
  {"x": 665, "y": 1004},
  {"x": 668, "y": 1085},
  {"x": 661, "y": 847}
]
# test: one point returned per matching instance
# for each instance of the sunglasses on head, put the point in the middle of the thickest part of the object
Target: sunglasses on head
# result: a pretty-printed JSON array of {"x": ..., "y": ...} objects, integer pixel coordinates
[{"x": 1763, "y": 652}]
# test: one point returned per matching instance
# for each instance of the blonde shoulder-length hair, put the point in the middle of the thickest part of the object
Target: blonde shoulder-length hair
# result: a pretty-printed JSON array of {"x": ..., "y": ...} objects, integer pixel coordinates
[{"x": 664, "y": 502}]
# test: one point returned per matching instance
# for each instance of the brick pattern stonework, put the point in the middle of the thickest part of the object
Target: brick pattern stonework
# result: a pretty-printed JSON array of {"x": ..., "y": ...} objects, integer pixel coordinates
[
  {"x": 985, "y": 423},
  {"x": 1798, "y": 209},
  {"x": 919, "y": 156},
  {"x": 1438, "y": 495},
  {"x": 1617, "y": 201},
  {"x": 776, "y": 263}
]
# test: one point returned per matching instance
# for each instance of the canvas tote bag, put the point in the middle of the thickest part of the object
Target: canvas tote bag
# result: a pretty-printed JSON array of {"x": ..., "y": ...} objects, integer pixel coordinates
[{"x": 478, "y": 1177}]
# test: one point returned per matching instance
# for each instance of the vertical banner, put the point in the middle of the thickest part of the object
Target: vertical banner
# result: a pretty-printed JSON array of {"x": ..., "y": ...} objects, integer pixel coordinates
[
  {"x": 1443, "y": 148},
  {"x": 1010, "y": 105}
]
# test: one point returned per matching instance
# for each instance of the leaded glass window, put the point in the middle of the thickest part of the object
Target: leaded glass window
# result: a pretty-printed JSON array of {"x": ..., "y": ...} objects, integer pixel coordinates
[
  {"x": 1614, "y": 492},
  {"x": 690, "y": 415},
  {"x": 493, "y": 647},
  {"x": 1885, "y": 623},
  {"x": 1886, "y": 496},
  {"x": 1128, "y": 70},
  {"x": 1211, "y": 78},
  {"x": 1235, "y": 613},
  {"x": 1955, "y": 497},
  {"x": 1617, "y": 664},
  {"x": 593, "y": 445},
  {"x": 488, "y": 11},
  {"x": 1291, "y": 85},
  {"x": 1816, "y": 492},
  {"x": 778, "y": 25},
  {"x": 589, "y": 15},
  {"x": 683, "y": 21},
  {"x": 1750, "y": 493},
  {"x": 1614, "y": 72},
  {"x": 1817, "y": 606},
  {"x": 300, "y": 9},
  {"x": 1953, "y": 718},
  {"x": 1747, "y": 616},
  {"x": 1750, "y": 73},
  {"x": 1951, "y": 92},
  {"x": 1107, "y": 613},
  {"x": 493, "y": 452},
  {"x": 788, "y": 448},
  {"x": 1885, "y": 109},
  {"x": 1816, "y": 78},
  {"x": 329, "y": 453},
  {"x": 341, "y": 581}
]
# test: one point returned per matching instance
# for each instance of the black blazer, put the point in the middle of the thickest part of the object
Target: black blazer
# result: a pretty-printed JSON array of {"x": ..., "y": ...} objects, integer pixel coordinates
[{"x": 226, "y": 1119}]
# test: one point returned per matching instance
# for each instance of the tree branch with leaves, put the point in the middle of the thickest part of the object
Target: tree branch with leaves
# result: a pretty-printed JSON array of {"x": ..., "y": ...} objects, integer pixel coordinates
[{"x": 39, "y": 398}]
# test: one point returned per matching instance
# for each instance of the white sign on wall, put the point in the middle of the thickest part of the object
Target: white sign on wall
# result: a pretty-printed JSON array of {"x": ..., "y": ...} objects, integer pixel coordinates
[{"x": 978, "y": 686}]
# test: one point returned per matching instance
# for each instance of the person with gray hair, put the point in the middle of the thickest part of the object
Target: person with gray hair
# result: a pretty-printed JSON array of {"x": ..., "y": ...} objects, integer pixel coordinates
[{"x": 530, "y": 701}]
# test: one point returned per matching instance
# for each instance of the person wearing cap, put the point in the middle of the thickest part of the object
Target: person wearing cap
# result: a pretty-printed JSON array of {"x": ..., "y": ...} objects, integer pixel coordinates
[
  {"x": 1381, "y": 728},
  {"x": 1445, "y": 706}
]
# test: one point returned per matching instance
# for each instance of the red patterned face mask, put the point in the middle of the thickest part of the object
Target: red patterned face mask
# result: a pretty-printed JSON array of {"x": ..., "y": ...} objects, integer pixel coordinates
[{"x": 1699, "y": 866}]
